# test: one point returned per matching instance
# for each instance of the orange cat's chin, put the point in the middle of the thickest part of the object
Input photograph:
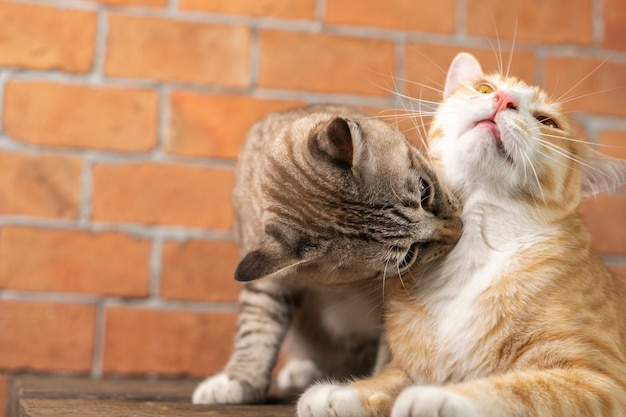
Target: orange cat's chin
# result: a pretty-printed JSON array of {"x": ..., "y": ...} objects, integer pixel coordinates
[{"x": 491, "y": 129}]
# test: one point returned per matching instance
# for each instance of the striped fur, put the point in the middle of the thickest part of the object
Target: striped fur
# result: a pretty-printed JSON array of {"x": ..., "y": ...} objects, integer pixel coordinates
[
  {"x": 329, "y": 204},
  {"x": 521, "y": 318}
]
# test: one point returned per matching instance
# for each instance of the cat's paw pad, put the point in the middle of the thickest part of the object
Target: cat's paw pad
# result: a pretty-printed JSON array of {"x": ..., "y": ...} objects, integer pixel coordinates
[
  {"x": 432, "y": 402},
  {"x": 297, "y": 374},
  {"x": 222, "y": 389},
  {"x": 329, "y": 400}
]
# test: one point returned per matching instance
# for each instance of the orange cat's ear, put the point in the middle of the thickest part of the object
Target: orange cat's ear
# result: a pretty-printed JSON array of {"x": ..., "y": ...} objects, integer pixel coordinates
[
  {"x": 463, "y": 70},
  {"x": 339, "y": 141},
  {"x": 601, "y": 173}
]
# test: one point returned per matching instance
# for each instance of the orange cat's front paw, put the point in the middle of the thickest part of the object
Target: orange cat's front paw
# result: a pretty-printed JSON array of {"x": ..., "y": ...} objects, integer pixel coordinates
[
  {"x": 330, "y": 400},
  {"x": 432, "y": 402}
]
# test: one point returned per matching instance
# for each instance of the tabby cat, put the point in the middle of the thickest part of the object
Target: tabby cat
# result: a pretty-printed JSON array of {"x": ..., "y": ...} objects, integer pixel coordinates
[
  {"x": 329, "y": 204},
  {"x": 521, "y": 318}
]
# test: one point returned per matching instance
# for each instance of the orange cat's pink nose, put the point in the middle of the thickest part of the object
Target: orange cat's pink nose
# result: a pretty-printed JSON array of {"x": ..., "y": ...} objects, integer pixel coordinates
[{"x": 504, "y": 101}]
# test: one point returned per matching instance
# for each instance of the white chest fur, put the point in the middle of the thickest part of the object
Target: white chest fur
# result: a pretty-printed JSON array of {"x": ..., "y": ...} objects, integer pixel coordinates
[{"x": 485, "y": 252}]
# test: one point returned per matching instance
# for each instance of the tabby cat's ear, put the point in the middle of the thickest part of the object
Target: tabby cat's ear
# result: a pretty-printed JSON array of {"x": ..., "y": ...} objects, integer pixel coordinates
[
  {"x": 339, "y": 141},
  {"x": 601, "y": 173},
  {"x": 463, "y": 70},
  {"x": 264, "y": 263}
]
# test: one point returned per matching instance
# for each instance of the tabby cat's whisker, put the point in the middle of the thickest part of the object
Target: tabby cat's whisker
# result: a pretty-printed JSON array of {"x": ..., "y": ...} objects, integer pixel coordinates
[{"x": 406, "y": 290}]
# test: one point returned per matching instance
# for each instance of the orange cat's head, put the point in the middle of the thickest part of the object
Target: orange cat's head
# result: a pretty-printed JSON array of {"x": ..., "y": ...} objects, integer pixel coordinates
[{"x": 498, "y": 135}]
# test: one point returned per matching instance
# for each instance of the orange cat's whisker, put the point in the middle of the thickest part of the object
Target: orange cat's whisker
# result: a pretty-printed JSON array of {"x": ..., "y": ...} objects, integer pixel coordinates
[
  {"x": 567, "y": 138},
  {"x": 565, "y": 154},
  {"x": 421, "y": 128},
  {"x": 562, "y": 152},
  {"x": 561, "y": 98},
  {"x": 432, "y": 105},
  {"x": 422, "y": 85},
  {"x": 591, "y": 93},
  {"x": 536, "y": 176}
]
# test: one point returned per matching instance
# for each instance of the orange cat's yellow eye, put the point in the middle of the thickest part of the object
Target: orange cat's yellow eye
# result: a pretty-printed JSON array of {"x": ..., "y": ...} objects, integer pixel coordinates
[{"x": 484, "y": 88}]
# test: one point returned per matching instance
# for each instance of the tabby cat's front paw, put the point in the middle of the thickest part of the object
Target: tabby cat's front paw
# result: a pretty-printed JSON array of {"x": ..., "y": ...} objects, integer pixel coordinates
[
  {"x": 432, "y": 402},
  {"x": 222, "y": 389},
  {"x": 330, "y": 400}
]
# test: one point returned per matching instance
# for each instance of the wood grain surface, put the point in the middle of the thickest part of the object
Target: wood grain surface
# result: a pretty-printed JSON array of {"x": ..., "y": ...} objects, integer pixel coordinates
[{"x": 73, "y": 397}]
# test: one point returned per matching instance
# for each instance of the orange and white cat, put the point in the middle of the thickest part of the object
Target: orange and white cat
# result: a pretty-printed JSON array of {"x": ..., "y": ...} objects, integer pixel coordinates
[{"x": 521, "y": 318}]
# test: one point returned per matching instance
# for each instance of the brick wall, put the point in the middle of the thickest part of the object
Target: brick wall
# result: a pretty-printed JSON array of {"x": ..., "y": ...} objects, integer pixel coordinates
[{"x": 121, "y": 121}]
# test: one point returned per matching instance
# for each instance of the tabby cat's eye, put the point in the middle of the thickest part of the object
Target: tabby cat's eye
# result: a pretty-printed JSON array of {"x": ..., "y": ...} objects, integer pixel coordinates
[
  {"x": 547, "y": 121},
  {"x": 409, "y": 258},
  {"x": 484, "y": 88},
  {"x": 425, "y": 192}
]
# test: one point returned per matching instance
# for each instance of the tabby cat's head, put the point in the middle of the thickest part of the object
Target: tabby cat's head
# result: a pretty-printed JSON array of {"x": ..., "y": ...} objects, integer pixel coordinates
[
  {"x": 349, "y": 199},
  {"x": 497, "y": 134}
]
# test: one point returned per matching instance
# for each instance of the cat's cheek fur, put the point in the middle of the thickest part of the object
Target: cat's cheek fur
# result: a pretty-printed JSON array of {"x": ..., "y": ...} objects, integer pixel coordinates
[
  {"x": 331, "y": 400},
  {"x": 432, "y": 402},
  {"x": 222, "y": 389}
]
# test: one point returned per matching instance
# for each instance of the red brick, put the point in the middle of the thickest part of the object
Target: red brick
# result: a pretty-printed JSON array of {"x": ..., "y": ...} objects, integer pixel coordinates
[
  {"x": 164, "y": 194},
  {"x": 283, "y": 9},
  {"x": 416, "y": 15},
  {"x": 42, "y": 186},
  {"x": 144, "y": 3},
  {"x": 4, "y": 388},
  {"x": 141, "y": 341},
  {"x": 200, "y": 270},
  {"x": 606, "y": 218},
  {"x": 613, "y": 143},
  {"x": 214, "y": 126},
  {"x": 426, "y": 66},
  {"x": 73, "y": 261},
  {"x": 106, "y": 118},
  {"x": 596, "y": 86},
  {"x": 325, "y": 63},
  {"x": 44, "y": 336},
  {"x": 187, "y": 52},
  {"x": 553, "y": 22},
  {"x": 48, "y": 38},
  {"x": 614, "y": 24}
]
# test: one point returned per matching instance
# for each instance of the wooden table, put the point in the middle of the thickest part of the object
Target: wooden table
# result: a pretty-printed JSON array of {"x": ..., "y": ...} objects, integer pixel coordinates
[{"x": 74, "y": 397}]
